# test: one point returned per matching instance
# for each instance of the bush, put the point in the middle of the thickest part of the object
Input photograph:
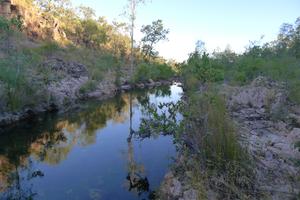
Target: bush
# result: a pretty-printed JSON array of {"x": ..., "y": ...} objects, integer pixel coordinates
[
  {"x": 201, "y": 69},
  {"x": 88, "y": 87},
  {"x": 294, "y": 91},
  {"x": 154, "y": 71}
]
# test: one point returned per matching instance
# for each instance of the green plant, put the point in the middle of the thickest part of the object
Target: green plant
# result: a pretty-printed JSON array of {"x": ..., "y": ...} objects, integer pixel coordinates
[
  {"x": 88, "y": 87},
  {"x": 154, "y": 71}
]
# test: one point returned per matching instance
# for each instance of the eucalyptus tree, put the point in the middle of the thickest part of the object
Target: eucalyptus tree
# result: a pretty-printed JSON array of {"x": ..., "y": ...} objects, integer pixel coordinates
[
  {"x": 153, "y": 34},
  {"x": 131, "y": 14}
]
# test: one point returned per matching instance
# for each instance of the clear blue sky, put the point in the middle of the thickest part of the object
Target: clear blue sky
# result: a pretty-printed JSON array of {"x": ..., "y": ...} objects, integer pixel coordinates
[{"x": 216, "y": 22}]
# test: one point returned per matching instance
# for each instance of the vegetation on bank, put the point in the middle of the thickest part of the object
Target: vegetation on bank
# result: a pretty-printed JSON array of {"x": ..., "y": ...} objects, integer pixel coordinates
[
  {"x": 56, "y": 29},
  {"x": 278, "y": 60},
  {"x": 210, "y": 143}
]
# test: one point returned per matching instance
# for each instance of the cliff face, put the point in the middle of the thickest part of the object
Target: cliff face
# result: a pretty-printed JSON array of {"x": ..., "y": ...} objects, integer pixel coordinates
[
  {"x": 36, "y": 25},
  {"x": 9, "y": 10}
]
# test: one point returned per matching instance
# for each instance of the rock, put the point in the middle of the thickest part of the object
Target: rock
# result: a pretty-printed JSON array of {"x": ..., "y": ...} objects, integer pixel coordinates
[
  {"x": 295, "y": 120},
  {"x": 190, "y": 194},
  {"x": 140, "y": 85},
  {"x": 150, "y": 83},
  {"x": 295, "y": 134},
  {"x": 171, "y": 187},
  {"x": 66, "y": 90},
  {"x": 260, "y": 94},
  {"x": 126, "y": 87},
  {"x": 270, "y": 143},
  {"x": 72, "y": 69},
  {"x": 95, "y": 94},
  {"x": 157, "y": 83}
]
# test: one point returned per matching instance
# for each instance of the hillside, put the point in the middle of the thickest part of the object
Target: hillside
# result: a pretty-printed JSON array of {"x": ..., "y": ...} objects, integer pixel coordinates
[{"x": 54, "y": 55}]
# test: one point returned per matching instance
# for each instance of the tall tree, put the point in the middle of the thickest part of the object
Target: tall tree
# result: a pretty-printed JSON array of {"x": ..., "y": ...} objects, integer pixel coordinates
[
  {"x": 131, "y": 14},
  {"x": 153, "y": 34}
]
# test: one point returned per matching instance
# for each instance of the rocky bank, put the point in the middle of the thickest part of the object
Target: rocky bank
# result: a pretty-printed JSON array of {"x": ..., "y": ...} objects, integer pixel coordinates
[
  {"x": 62, "y": 89},
  {"x": 268, "y": 126}
]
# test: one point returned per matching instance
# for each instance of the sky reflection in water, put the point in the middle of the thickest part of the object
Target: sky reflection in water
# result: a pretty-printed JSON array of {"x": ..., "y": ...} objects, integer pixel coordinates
[{"x": 87, "y": 154}]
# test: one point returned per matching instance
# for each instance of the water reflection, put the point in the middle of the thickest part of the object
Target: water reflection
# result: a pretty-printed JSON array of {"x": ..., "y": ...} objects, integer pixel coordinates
[{"x": 27, "y": 152}]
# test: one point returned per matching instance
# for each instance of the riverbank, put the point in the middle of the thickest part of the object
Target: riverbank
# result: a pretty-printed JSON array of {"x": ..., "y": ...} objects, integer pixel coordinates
[
  {"x": 70, "y": 84},
  {"x": 267, "y": 128}
]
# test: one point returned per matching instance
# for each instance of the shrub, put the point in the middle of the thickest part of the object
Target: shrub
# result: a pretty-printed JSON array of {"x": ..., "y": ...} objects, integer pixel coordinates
[
  {"x": 88, "y": 86},
  {"x": 154, "y": 71}
]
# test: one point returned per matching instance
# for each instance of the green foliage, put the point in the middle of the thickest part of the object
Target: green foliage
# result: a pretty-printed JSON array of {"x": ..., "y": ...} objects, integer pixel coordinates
[
  {"x": 200, "y": 68},
  {"x": 154, "y": 71},
  {"x": 294, "y": 92},
  {"x": 88, "y": 86},
  {"x": 219, "y": 141},
  {"x": 152, "y": 35},
  {"x": 4, "y": 24},
  {"x": 91, "y": 33},
  {"x": 278, "y": 60},
  {"x": 20, "y": 89},
  {"x": 10, "y": 24},
  {"x": 47, "y": 48},
  {"x": 213, "y": 142}
]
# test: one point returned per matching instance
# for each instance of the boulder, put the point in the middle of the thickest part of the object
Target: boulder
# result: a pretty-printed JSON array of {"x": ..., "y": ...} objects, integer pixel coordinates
[
  {"x": 125, "y": 87},
  {"x": 69, "y": 78},
  {"x": 150, "y": 83},
  {"x": 261, "y": 93}
]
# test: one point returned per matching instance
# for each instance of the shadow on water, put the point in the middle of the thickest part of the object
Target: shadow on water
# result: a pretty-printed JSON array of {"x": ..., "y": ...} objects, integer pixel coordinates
[{"x": 40, "y": 158}]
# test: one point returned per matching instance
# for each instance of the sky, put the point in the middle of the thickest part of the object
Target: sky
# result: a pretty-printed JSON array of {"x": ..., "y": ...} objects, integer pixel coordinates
[{"x": 218, "y": 23}]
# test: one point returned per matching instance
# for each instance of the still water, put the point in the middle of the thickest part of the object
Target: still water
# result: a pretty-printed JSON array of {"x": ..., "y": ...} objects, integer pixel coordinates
[{"x": 91, "y": 153}]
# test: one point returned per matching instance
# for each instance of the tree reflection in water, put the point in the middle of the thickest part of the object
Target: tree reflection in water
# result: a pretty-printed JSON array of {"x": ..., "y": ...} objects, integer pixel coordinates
[
  {"x": 19, "y": 178},
  {"x": 157, "y": 120},
  {"x": 51, "y": 138}
]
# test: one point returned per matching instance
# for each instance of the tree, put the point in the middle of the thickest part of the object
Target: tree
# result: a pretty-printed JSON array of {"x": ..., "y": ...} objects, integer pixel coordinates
[
  {"x": 91, "y": 33},
  {"x": 296, "y": 39},
  {"x": 87, "y": 12},
  {"x": 153, "y": 34},
  {"x": 131, "y": 13},
  {"x": 54, "y": 7},
  {"x": 285, "y": 36}
]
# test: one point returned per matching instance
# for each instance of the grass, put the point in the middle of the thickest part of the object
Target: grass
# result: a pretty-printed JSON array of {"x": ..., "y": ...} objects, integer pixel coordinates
[
  {"x": 23, "y": 79},
  {"x": 219, "y": 159}
]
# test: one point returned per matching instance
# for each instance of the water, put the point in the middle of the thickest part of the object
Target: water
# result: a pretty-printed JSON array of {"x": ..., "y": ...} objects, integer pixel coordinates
[{"x": 88, "y": 153}]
